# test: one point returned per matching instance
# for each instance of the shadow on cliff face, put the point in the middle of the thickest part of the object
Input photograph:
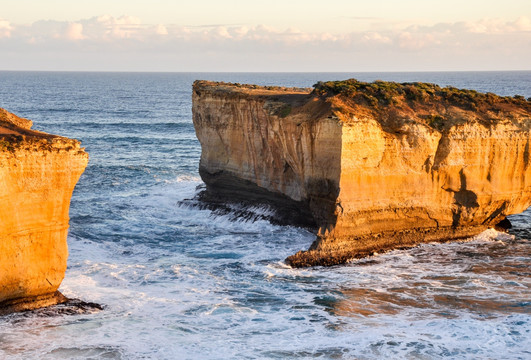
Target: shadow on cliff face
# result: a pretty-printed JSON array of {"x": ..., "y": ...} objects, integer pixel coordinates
[
  {"x": 464, "y": 199},
  {"x": 323, "y": 194}
]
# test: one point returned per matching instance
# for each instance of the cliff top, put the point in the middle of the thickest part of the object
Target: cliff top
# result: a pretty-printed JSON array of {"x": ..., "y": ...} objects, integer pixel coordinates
[
  {"x": 10, "y": 124},
  {"x": 390, "y": 103},
  {"x": 429, "y": 103},
  {"x": 246, "y": 89},
  {"x": 15, "y": 132}
]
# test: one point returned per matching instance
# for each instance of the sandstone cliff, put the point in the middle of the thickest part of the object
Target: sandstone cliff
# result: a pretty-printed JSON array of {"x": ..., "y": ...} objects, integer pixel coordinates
[
  {"x": 38, "y": 173},
  {"x": 375, "y": 166}
]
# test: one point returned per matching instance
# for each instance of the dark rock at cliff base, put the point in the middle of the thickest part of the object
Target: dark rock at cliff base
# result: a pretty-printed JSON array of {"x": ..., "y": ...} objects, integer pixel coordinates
[{"x": 64, "y": 307}]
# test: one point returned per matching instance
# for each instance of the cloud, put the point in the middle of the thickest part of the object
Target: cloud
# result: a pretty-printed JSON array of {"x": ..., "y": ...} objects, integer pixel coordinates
[
  {"x": 212, "y": 25},
  {"x": 74, "y": 31},
  {"x": 523, "y": 23},
  {"x": 5, "y": 29},
  {"x": 498, "y": 26},
  {"x": 416, "y": 41},
  {"x": 376, "y": 37},
  {"x": 161, "y": 30},
  {"x": 486, "y": 40},
  {"x": 107, "y": 28}
]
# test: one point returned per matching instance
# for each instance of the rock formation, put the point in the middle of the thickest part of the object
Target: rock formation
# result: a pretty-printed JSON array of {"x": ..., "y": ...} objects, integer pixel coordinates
[
  {"x": 38, "y": 173},
  {"x": 375, "y": 166}
]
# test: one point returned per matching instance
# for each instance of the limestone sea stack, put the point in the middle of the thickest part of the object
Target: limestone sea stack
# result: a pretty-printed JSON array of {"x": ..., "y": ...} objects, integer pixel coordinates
[
  {"x": 38, "y": 172},
  {"x": 374, "y": 166}
]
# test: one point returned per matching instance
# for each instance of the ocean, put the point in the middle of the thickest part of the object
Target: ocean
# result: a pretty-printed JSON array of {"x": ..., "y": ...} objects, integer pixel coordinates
[{"x": 183, "y": 283}]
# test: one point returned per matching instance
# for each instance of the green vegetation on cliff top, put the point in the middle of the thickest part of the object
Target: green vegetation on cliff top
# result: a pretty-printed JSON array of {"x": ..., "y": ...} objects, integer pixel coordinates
[{"x": 387, "y": 93}]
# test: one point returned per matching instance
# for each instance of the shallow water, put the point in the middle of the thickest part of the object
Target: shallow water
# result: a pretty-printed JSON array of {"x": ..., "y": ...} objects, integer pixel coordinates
[{"x": 180, "y": 282}]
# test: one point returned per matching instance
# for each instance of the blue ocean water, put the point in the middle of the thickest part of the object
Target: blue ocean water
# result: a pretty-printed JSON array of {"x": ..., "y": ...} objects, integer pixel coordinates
[{"x": 181, "y": 283}]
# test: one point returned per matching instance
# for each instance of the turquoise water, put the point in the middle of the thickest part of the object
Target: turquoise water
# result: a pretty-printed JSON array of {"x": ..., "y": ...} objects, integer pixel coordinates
[{"x": 181, "y": 283}]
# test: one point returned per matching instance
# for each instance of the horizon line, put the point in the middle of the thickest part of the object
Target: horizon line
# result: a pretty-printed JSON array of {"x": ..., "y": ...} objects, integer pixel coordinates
[{"x": 260, "y": 72}]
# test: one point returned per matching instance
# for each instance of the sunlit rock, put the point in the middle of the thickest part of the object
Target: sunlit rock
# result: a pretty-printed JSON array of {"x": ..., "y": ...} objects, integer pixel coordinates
[
  {"x": 374, "y": 166},
  {"x": 38, "y": 172}
]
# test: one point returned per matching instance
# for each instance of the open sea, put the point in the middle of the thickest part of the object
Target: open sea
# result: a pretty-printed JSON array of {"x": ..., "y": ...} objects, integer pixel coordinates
[{"x": 184, "y": 283}]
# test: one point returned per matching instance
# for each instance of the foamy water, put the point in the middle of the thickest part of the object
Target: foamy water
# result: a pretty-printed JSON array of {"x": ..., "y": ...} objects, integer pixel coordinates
[{"x": 178, "y": 282}]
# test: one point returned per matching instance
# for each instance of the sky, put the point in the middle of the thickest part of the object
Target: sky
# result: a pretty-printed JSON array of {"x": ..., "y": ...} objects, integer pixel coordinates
[{"x": 273, "y": 35}]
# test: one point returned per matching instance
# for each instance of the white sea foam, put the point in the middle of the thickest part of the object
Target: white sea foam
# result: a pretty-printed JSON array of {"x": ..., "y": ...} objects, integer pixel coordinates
[{"x": 426, "y": 302}]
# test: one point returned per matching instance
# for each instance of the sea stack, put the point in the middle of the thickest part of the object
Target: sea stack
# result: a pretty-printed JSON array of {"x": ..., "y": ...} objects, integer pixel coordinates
[
  {"x": 374, "y": 166},
  {"x": 38, "y": 173}
]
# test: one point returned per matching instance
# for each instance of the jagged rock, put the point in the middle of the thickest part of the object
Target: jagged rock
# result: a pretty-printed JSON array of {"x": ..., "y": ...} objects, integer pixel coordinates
[
  {"x": 38, "y": 172},
  {"x": 376, "y": 166}
]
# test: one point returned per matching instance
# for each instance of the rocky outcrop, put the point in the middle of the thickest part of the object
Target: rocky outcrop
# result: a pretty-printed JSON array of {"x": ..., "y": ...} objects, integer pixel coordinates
[
  {"x": 38, "y": 173},
  {"x": 375, "y": 166}
]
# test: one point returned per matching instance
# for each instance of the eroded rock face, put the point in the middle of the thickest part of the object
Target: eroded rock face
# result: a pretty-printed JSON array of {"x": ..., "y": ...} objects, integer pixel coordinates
[
  {"x": 378, "y": 166},
  {"x": 38, "y": 173}
]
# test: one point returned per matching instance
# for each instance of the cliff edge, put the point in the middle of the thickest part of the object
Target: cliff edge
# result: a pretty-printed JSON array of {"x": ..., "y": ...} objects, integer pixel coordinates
[
  {"x": 373, "y": 166},
  {"x": 38, "y": 172}
]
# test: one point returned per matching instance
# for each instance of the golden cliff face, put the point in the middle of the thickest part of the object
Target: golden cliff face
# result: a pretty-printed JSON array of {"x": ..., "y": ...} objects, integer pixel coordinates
[
  {"x": 38, "y": 173},
  {"x": 250, "y": 143},
  {"x": 379, "y": 166}
]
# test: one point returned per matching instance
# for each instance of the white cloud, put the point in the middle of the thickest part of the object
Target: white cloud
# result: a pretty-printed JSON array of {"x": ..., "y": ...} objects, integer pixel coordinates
[
  {"x": 161, "y": 30},
  {"x": 375, "y": 37},
  {"x": 5, "y": 29},
  {"x": 124, "y": 27},
  {"x": 109, "y": 28},
  {"x": 74, "y": 31},
  {"x": 522, "y": 23},
  {"x": 240, "y": 32},
  {"x": 464, "y": 42},
  {"x": 416, "y": 40},
  {"x": 220, "y": 32},
  {"x": 499, "y": 26}
]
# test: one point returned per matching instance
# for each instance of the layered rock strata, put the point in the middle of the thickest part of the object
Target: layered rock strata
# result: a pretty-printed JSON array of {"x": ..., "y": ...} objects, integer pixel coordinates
[
  {"x": 38, "y": 172},
  {"x": 375, "y": 166}
]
